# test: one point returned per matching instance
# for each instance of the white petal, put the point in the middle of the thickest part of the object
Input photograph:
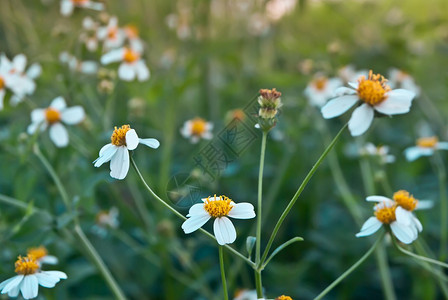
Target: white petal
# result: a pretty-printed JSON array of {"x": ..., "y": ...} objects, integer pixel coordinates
[
  {"x": 33, "y": 127},
  {"x": 378, "y": 199},
  {"x": 10, "y": 283},
  {"x": 417, "y": 223},
  {"x": 403, "y": 216},
  {"x": 369, "y": 227},
  {"x": 119, "y": 164},
  {"x": 397, "y": 102},
  {"x": 242, "y": 211},
  {"x": 19, "y": 62},
  {"x": 361, "y": 119},
  {"x": 412, "y": 153},
  {"x": 338, "y": 106},
  {"x": 94, "y": 5},
  {"x": 442, "y": 145},
  {"x": 106, "y": 154},
  {"x": 403, "y": 233},
  {"x": 197, "y": 210},
  {"x": 153, "y": 143},
  {"x": 131, "y": 139},
  {"x": 73, "y": 115},
  {"x": 66, "y": 7},
  {"x": 194, "y": 223},
  {"x": 424, "y": 204},
  {"x": 46, "y": 280},
  {"x": 225, "y": 232},
  {"x": 49, "y": 259},
  {"x": 341, "y": 91},
  {"x": 14, "y": 292},
  {"x": 59, "y": 135},
  {"x": 142, "y": 71},
  {"x": 2, "y": 96},
  {"x": 34, "y": 71},
  {"x": 57, "y": 274},
  {"x": 354, "y": 84},
  {"x": 112, "y": 56},
  {"x": 29, "y": 287},
  {"x": 38, "y": 115},
  {"x": 88, "y": 67},
  {"x": 126, "y": 72},
  {"x": 58, "y": 103}
]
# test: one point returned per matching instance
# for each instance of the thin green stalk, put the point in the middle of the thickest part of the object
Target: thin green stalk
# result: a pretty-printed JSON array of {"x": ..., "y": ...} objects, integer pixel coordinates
[
  {"x": 351, "y": 269},
  {"x": 299, "y": 191},
  {"x": 441, "y": 174},
  {"x": 423, "y": 258},
  {"x": 134, "y": 165},
  {"x": 14, "y": 202},
  {"x": 223, "y": 273}
]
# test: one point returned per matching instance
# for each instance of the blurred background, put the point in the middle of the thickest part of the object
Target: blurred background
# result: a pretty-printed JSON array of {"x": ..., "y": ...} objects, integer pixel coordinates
[{"x": 208, "y": 59}]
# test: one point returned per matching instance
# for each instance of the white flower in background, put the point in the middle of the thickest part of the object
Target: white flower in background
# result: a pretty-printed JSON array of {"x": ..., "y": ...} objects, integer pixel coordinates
[
  {"x": 7, "y": 79},
  {"x": 41, "y": 256},
  {"x": 402, "y": 80},
  {"x": 348, "y": 73},
  {"x": 277, "y": 9},
  {"x": 87, "y": 67},
  {"x": 123, "y": 139},
  {"x": 89, "y": 35},
  {"x": 382, "y": 152},
  {"x": 220, "y": 208},
  {"x": 425, "y": 147},
  {"x": 320, "y": 89},
  {"x": 196, "y": 129},
  {"x": 375, "y": 95},
  {"x": 29, "y": 278},
  {"x": 111, "y": 35},
  {"x": 67, "y": 6},
  {"x": 131, "y": 67},
  {"x": 132, "y": 34},
  {"x": 246, "y": 295},
  {"x": 385, "y": 215},
  {"x": 53, "y": 117},
  {"x": 105, "y": 220}
]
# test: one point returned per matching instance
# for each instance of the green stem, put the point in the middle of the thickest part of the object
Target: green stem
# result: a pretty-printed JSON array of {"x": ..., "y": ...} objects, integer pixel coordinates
[
  {"x": 14, "y": 202},
  {"x": 223, "y": 273},
  {"x": 423, "y": 258},
  {"x": 351, "y": 269},
  {"x": 299, "y": 191},
  {"x": 441, "y": 174},
  {"x": 134, "y": 165}
]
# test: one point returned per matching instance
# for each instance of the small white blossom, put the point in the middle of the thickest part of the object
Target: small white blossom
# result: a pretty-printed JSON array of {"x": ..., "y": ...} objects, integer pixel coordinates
[
  {"x": 196, "y": 129},
  {"x": 425, "y": 146},
  {"x": 132, "y": 65},
  {"x": 382, "y": 152},
  {"x": 67, "y": 6}
]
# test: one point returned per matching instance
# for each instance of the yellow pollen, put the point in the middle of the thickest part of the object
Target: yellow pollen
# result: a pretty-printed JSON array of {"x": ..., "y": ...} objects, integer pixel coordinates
[
  {"x": 384, "y": 214},
  {"x": 283, "y": 297},
  {"x": 26, "y": 265},
  {"x": 372, "y": 90},
  {"x": 427, "y": 142},
  {"x": 320, "y": 83},
  {"x": 38, "y": 252},
  {"x": 52, "y": 115},
  {"x": 218, "y": 206},
  {"x": 118, "y": 137},
  {"x": 130, "y": 56},
  {"x": 2, "y": 83},
  {"x": 198, "y": 126},
  {"x": 405, "y": 200}
]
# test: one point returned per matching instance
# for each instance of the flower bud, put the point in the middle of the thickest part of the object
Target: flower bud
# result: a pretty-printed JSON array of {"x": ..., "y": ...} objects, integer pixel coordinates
[{"x": 270, "y": 102}]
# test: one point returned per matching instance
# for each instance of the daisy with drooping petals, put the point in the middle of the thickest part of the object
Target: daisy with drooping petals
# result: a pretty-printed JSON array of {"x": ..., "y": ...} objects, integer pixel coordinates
[
  {"x": 425, "y": 147},
  {"x": 53, "y": 117},
  {"x": 40, "y": 254},
  {"x": 385, "y": 214},
  {"x": 123, "y": 139},
  {"x": 382, "y": 152},
  {"x": 196, "y": 129},
  {"x": 132, "y": 65},
  {"x": 375, "y": 95},
  {"x": 320, "y": 89},
  {"x": 67, "y": 6},
  {"x": 29, "y": 278},
  {"x": 220, "y": 208},
  {"x": 111, "y": 35}
]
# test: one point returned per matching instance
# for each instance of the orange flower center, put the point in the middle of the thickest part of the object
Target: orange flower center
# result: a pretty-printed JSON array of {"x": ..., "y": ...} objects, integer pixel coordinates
[
  {"x": 26, "y": 265},
  {"x": 132, "y": 31},
  {"x": 218, "y": 207},
  {"x": 38, "y": 252},
  {"x": 198, "y": 126},
  {"x": 320, "y": 83},
  {"x": 118, "y": 137},
  {"x": 283, "y": 297},
  {"x": 384, "y": 214},
  {"x": 427, "y": 142},
  {"x": 130, "y": 56},
  {"x": 2, "y": 83},
  {"x": 238, "y": 114},
  {"x": 52, "y": 115},
  {"x": 372, "y": 90},
  {"x": 80, "y": 2},
  {"x": 112, "y": 33},
  {"x": 405, "y": 200}
]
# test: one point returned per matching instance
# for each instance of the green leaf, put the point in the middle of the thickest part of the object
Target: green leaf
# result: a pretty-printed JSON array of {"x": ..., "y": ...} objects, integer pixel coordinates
[{"x": 250, "y": 243}]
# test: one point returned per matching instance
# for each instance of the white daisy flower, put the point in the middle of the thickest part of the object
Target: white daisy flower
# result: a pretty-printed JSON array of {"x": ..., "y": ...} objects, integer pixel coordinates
[
  {"x": 67, "y": 6},
  {"x": 29, "y": 278},
  {"x": 104, "y": 220},
  {"x": 131, "y": 67},
  {"x": 89, "y": 36},
  {"x": 7, "y": 79},
  {"x": 196, "y": 129},
  {"x": 132, "y": 34},
  {"x": 385, "y": 214},
  {"x": 375, "y": 95},
  {"x": 320, "y": 89},
  {"x": 87, "y": 67},
  {"x": 111, "y": 35},
  {"x": 219, "y": 208},
  {"x": 123, "y": 139},
  {"x": 53, "y": 117},
  {"x": 425, "y": 147},
  {"x": 246, "y": 295},
  {"x": 382, "y": 152},
  {"x": 401, "y": 79},
  {"x": 41, "y": 256}
]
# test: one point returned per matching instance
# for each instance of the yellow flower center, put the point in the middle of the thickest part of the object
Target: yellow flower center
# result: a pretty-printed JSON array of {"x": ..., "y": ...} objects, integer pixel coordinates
[
  {"x": 372, "y": 90},
  {"x": 112, "y": 33},
  {"x": 427, "y": 142},
  {"x": 320, "y": 83},
  {"x": 118, "y": 137},
  {"x": 283, "y": 297},
  {"x": 52, "y": 115},
  {"x": 405, "y": 200},
  {"x": 2, "y": 83},
  {"x": 218, "y": 207},
  {"x": 26, "y": 265},
  {"x": 384, "y": 214},
  {"x": 38, "y": 252},
  {"x": 130, "y": 56},
  {"x": 198, "y": 126}
]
